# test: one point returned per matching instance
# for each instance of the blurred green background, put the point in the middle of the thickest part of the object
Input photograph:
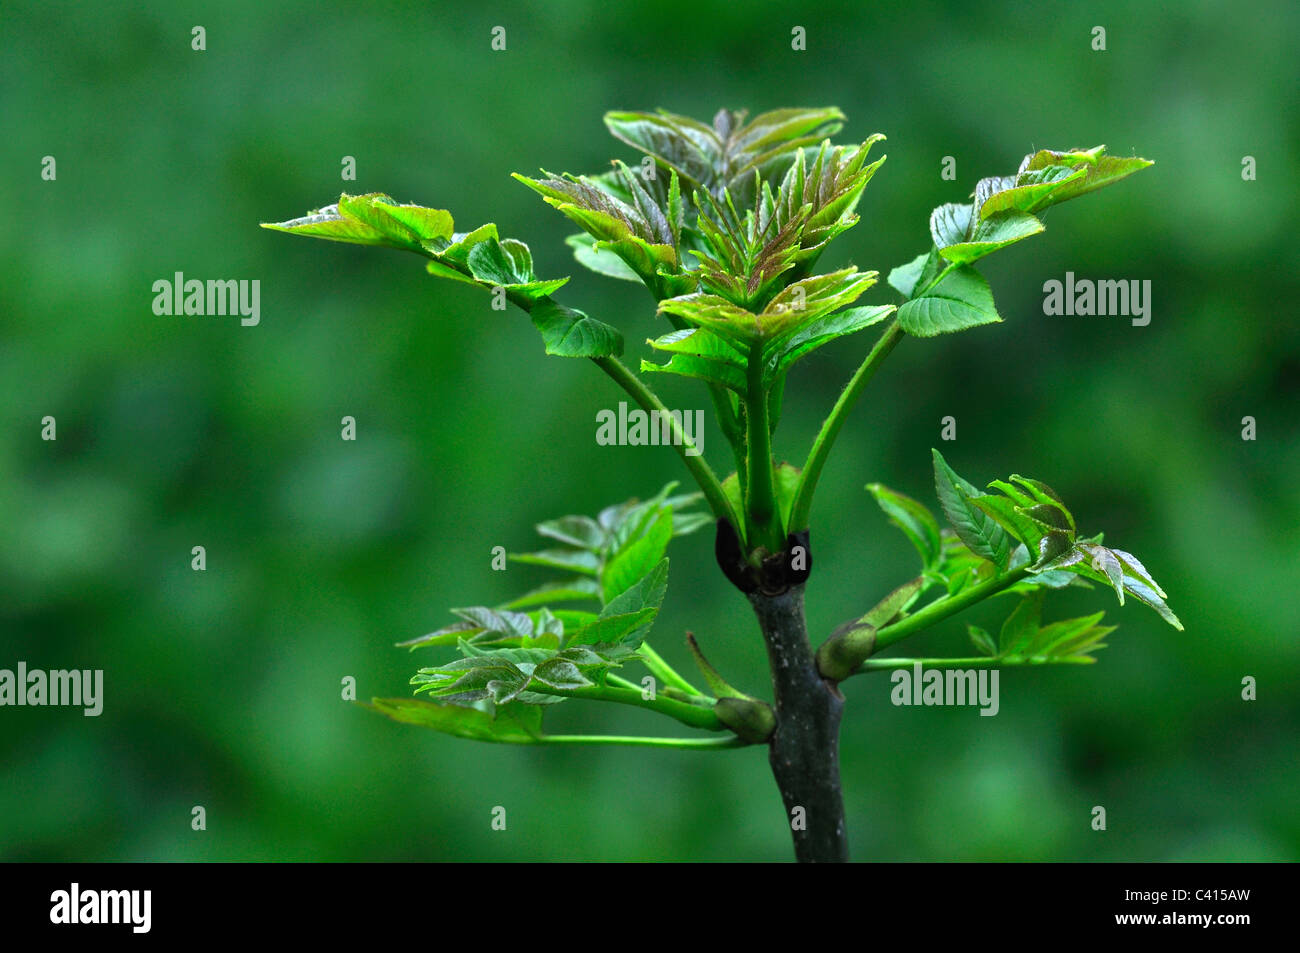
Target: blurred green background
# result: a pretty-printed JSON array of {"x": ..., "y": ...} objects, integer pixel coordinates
[{"x": 223, "y": 687}]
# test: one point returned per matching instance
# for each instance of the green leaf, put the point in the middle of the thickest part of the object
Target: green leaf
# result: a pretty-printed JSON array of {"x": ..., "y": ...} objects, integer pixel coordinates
[
  {"x": 1027, "y": 191},
  {"x": 1051, "y": 548},
  {"x": 448, "y": 635},
  {"x": 823, "y": 331},
  {"x": 703, "y": 369},
  {"x": 1016, "y": 494},
  {"x": 982, "y": 641},
  {"x": 580, "y": 531},
  {"x": 634, "y": 230},
  {"x": 472, "y": 679},
  {"x": 1043, "y": 493},
  {"x": 1022, "y": 625},
  {"x": 990, "y": 234},
  {"x": 508, "y": 264},
  {"x": 1151, "y": 598},
  {"x": 510, "y": 624},
  {"x": 958, "y": 567},
  {"x": 1068, "y": 637},
  {"x": 560, "y": 673},
  {"x": 570, "y": 333},
  {"x": 727, "y": 153},
  {"x": 634, "y": 561},
  {"x": 916, "y": 522},
  {"x": 979, "y": 531},
  {"x": 830, "y": 190},
  {"x": 703, "y": 355},
  {"x": 575, "y": 561},
  {"x": 456, "y": 255},
  {"x": 479, "y": 623},
  {"x": 1009, "y": 517},
  {"x": 571, "y": 590},
  {"x": 686, "y": 146},
  {"x": 1105, "y": 562},
  {"x": 743, "y": 258},
  {"x": 961, "y": 300},
  {"x": 428, "y": 225},
  {"x": 600, "y": 260},
  {"x": 372, "y": 219},
  {"x": 647, "y": 592},
  {"x": 796, "y": 306},
  {"x": 949, "y": 225},
  {"x": 905, "y": 279},
  {"x": 1100, "y": 170},
  {"x": 627, "y": 617},
  {"x": 463, "y": 722},
  {"x": 614, "y": 628},
  {"x": 700, "y": 342},
  {"x": 1135, "y": 568}
]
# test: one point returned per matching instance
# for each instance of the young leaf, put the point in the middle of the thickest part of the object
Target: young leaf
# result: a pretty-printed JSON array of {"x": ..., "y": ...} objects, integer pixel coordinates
[
  {"x": 1099, "y": 169},
  {"x": 726, "y": 154},
  {"x": 822, "y": 331},
  {"x": 644, "y": 244},
  {"x": 630, "y": 564},
  {"x": 373, "y": 219},
  {"x": 566, "y": 559},
  {"x": 1022, "y": 625},
  {"x": 646, "y": 593},
  {"x": 991, "y": 234},
  {"x": 1010, "y": 518},
  {"x": 463, "y": 722},
  {"x": 560, "y": 673},
  {"x": 982, "y": 641},
  {"x": 916, "y": 522},
  {"x": 794, "y": 308},
  {"x": 508, "y": 264},
  {"x": 627, "y": 618},
  {"x": 580, "y": 531},
  {"x": 977, "y": 529},
  {"x": 702, "y": 369},
  {"x": 745, "y": 256},
  {"x": 917, "y": 273},
  {"x": 568, "y": 332},
  {"x": 830, "y": 190},
  {"x": 589, "y": 254},
  {"x": 1027, "y": 191},
  {"x": 491, "y": 622},
  {"x": 961, "y": 300},
  {"x": 950, "y": 224},
  {"x": 479, "y": 257}
]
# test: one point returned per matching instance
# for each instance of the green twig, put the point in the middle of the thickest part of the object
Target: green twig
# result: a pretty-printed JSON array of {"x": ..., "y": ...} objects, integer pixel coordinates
[
  {"x": 979, "y": 661},
  {"x": 821, "y": 447},
  {"x": 763, "y": 516},
  {"x": 695, "y": 743},
  {"x": 890, "y": 664},
  {"x": 697, "y": 716},
  {"x": 941, "y": 609},
  {"x": 661, "y": 670},
  {"x": 685, "y": 447}
]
